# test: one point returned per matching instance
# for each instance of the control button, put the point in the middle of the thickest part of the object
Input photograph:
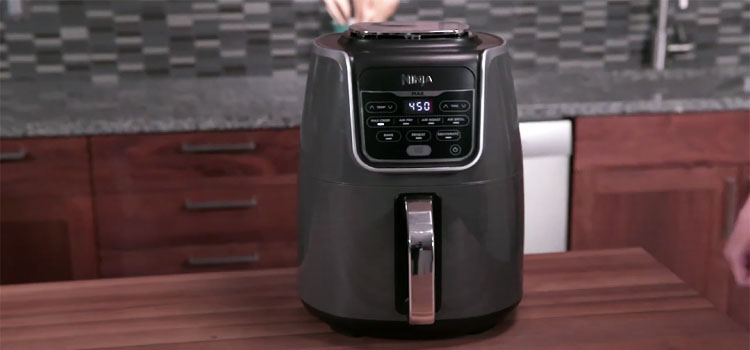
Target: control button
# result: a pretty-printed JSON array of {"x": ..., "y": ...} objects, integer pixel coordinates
[
  {"x": 418, "y": 135},
  {"x": 388, "y": 136},
  {"x": 418, "y": 150},
  {"x": 430, "y": 121},
  {"x": 380, "y": 107},
  {"x": 455, "y": 150},
  {"x": 448, "y": 135},
  {"x": 455, "y": 106},
  {"x": 376, "y": 122},
  {"x": 458, "y": 120},
  {"x": 406, "y": 121}
]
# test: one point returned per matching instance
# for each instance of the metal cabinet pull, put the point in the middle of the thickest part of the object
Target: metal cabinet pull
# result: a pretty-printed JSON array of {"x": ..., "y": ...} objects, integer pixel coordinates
[
  {"x": 730, "y": 185},
  {"x": 220, "y": 205},
  {"x": 421, "y": 256},
  {"x": 13, "y": 156},
  {"x": 222, "y": 260},
  {"x": 218, "y": 148}
]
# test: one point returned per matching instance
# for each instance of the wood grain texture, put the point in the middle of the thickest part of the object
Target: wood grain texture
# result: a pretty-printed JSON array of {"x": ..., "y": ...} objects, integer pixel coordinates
[
  {"x": 48, "y": 238},
  {"x": 137, "y": 221},
  {"x": 52, "y": 167},
  {"x": 675, "y": 214},
  {"x": 656, "y": 140},
  {"x": 722, "y": 290},
  {"x": 148, "y": 163},
  {"x": 617, "y": 299},
  {"x": 171, "y": 260}
]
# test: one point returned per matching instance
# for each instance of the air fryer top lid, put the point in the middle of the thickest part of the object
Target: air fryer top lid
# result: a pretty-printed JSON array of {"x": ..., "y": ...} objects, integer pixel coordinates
[{"x": 409, "y": 31}]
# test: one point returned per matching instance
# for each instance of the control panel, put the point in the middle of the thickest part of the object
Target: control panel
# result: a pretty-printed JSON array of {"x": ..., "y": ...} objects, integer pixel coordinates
[{"x": 421, "y": 126}]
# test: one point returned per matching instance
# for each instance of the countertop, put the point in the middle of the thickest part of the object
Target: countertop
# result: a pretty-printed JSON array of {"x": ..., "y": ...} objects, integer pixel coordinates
[
  {"x": 201, "y": 104},
  {"x": 612, "y": 299}
]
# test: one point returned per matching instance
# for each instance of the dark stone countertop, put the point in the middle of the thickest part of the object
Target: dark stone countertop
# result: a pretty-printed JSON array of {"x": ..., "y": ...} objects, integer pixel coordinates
[{"x": 30, "y": 109}]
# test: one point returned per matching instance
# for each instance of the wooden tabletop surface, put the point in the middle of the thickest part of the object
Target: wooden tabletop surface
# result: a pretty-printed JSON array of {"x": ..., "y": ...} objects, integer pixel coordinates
[{"x": 614, "y": 299}]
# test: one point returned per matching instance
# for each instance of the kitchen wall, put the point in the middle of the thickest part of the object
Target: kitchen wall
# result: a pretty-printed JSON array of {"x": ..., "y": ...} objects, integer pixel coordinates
[{"x": 112, "y": 40}]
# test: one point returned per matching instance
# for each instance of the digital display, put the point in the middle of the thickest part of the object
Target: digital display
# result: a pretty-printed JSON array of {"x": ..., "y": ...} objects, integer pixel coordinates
[{"x": 418, "y": 106}]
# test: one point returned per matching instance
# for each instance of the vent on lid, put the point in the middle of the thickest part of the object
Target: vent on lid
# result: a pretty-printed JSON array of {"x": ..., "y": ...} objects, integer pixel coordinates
[{"x": 409, "y": 31}]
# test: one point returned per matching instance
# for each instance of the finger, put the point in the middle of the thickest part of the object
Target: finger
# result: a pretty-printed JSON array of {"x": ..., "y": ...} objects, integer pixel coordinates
[
  {"x": 360, "y": 7},
  {"x": 382, "y": 10},
  {"x": 737, "y": 260},
  {"x": 745, "y": 273},
  {"x": 333, "y": 9},
  {"x": 346, "y": 9}
]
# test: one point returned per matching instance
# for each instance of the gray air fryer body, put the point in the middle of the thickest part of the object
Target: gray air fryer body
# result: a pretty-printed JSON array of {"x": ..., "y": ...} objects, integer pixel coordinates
[{"x": 410, "y": 181}]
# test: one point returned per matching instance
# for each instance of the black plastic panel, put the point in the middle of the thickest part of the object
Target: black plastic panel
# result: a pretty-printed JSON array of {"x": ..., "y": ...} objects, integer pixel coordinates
[{"x": 406, "y": 121}]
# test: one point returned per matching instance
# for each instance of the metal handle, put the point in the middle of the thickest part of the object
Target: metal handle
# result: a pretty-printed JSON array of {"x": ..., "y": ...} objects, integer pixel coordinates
[
  {"x": 13, "y": 156},
  {"x": 680, "y": 48},
  {"x": 224, "y": 260},
  {"x": 681, "y": 44},
  {"x": 421, "y": 256},
  {"x": 217, "y": 148},
  {"x": 730, "y": 184},
  {"x": 220, "y": 205}
]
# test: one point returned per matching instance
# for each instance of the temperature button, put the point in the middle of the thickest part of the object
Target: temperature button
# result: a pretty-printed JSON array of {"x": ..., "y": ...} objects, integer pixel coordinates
[
  {"x": 457, "y": 120},
  {"x": 380, "y": 107},
  {"x": 379, "y": 122},
  {"x": 455, "y": 106}
]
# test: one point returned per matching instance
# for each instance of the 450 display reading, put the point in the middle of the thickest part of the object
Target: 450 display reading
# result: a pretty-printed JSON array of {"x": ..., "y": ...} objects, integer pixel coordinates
[{"x": 418, "y": 106}]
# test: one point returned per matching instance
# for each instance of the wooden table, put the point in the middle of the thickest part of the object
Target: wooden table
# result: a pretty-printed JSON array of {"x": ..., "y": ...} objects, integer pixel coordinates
[{"x": 614, "y": 299}]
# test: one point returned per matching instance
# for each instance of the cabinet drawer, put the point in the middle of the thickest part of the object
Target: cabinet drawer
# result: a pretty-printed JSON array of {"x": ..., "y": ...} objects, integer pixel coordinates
[
  {"x": 44, "y": 167},
  {"x": 215, "y": 216},
  {"x": 186, "y": 259},
  {"x": 142, "y": 163},
  {"x": 662, "y": 140},
  {"x": 46, "y": 239}
]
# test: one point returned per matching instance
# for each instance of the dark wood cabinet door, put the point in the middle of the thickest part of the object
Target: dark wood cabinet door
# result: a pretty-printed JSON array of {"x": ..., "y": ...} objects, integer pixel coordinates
[
  {"x": 682, "y": 216},
  {"x": 197, "y": 217},
  {"x": 662, "y": 140},
  {"x": 188, "y": 161},
  {"x": 722, "y": 289},
  {"x": 46, "y": 239},
  {"x": 677, "y": 214},
  {"x": 45, "y": 167},
  {"x": 198, "y": 258},
  {"x": 669, "y": 183}
]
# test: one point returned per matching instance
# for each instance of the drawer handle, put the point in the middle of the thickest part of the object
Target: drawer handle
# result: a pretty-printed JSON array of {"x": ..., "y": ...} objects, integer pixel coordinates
[
  {"x": 222, "y": 260},
  {"x": 13, "y": 156},
  {"x": 217, "y": 148},
  {"x": 730, "y": 184},
  {"x": 220, "y": 205}
]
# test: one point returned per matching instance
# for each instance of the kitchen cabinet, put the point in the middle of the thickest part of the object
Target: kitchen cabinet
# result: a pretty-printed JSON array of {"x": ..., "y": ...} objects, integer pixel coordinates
[
  {"x": 199, "y": 258},
  {"x": 669, "y": 183},
  {"x": 150, "y": 163},
  {"x": 727, "y": 296},
  {"x": 190, "y": 202},
  {"x": 46, "y": 221},
  {"x": 126, "y": 205}
]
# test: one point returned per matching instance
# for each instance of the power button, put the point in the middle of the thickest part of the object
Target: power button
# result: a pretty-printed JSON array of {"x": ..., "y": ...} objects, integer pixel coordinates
[{"x": 455, "y": 150}]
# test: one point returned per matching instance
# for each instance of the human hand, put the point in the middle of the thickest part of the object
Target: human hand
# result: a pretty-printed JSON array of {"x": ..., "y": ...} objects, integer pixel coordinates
[
  {"x": 737, "y": 249},
  {"x": 339, "y": 10},
  {"x": 364, "y": 10},
  {"x": 374, "y": 10}
]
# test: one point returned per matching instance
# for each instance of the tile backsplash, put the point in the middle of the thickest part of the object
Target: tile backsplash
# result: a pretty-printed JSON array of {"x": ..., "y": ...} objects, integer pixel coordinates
[{"x": 112, "y": 40}]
